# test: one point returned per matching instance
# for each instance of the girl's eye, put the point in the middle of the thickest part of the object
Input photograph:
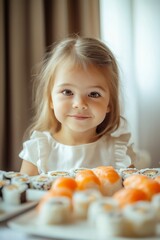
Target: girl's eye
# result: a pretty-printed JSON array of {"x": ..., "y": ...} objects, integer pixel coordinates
[
  {"x": 67, "y": 92},
  {"x": 94, "y": 95}
]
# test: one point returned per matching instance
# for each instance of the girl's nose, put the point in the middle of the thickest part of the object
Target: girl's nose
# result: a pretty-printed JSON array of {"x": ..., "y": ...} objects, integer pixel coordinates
[{"x": 79, "y": 103}]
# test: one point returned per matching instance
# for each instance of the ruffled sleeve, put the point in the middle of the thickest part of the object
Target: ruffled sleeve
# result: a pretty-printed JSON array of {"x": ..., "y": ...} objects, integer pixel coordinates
[
  {"x": 37, "y": 150},
  {"x": 124, "y": 150}
]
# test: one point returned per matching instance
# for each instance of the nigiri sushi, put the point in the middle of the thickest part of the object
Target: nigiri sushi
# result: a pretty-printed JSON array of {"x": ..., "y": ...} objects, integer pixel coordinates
[
  {"x": 65, "y": 182},
  {"x": 110, "y": 180},
  {"x": 87, "y": 179},
  {"x": 127, "y": 196},
  {"x": 148, "y": 185}
]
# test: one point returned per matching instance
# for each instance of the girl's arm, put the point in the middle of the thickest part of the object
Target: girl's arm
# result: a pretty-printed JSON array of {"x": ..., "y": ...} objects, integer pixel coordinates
[{"x": 29, "y": 168}]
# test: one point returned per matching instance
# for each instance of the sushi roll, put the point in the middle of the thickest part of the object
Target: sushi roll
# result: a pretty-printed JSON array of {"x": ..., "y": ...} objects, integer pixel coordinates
[
  {"x": 56, "y": 210},
  {"x": 150, "y": 172},
  {"x": 11, "y": 174},
  {"x": 87, "y": 179},
  {"x": 41, "y": 182},
  {"x": 82, "y": 200},
  {"x": 2, "y": 174},
  {"x": 141, "y": 217},
  {"x": 126, "y": 172},
  {"x": 156, "y": 205},
  {"x": 56, "y": 174},
  {"x": 14, "y": 194},
  {"x": 101, "y": 205},
  {"x": 22, "y": 180},
  {"x": 2, "y": 184},
  {"x": 110, "y": 224},
  {"x": 109, "y": 178},
  {"x": 74, "y": 171}
]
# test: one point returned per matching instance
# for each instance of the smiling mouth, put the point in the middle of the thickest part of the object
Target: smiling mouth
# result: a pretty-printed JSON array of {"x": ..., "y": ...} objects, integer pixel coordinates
[{"x": 79, "y": 117}]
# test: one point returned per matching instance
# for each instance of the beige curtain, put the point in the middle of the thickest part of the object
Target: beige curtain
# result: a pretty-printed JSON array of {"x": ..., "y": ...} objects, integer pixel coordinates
[{"x": 27, "y": 29}]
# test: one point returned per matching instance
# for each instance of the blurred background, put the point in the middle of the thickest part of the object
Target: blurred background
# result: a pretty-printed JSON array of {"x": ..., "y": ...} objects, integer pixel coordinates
[{"x": 131, "y": 28}]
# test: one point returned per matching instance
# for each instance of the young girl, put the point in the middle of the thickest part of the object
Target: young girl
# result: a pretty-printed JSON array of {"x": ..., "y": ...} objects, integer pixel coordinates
[{"x": 77, "y": 121}]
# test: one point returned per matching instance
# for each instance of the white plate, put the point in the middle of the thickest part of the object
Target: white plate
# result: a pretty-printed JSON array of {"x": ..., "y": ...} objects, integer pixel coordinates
[
  {"x": 8, "y": 211},
  {"x": 78, "y": 230}
]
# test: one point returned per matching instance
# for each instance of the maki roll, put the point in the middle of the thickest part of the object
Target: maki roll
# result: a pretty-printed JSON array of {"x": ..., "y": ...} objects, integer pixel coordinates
[
  {"x": 74, "y": 171},
  {"x": 126, "y": 172},
  {"x": 22, "y": 180},
  {"x": 141, "y": 217},
  {"x": 156, "y": 205},
  {"x": 14, "y": 194},
  {"x": 110, "y": 224},
  {"x": 10, "y": 175},
  {"x": 56, "y": 174},
  {"x": 150, "y": 172},
  {"x": 55, "y": 210},
  {"x": 2, "y": 174},
  {"x": 41, "y": 182},
  {"x": 2, "y": 184},
  {"x": 102, "y": 205},
  {"x": 82, "y": 201}
]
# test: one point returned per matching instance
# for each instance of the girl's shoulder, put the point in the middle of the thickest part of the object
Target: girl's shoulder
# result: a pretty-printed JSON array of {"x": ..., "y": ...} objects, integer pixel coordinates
[{"x": 41, "y": 135}]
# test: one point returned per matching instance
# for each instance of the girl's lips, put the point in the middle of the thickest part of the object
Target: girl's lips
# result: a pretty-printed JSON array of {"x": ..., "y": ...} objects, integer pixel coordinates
[{"x": 80, "y": 116}]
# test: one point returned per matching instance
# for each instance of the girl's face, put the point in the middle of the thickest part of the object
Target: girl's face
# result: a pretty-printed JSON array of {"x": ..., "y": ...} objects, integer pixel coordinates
[{"x": 80, "y": 99}]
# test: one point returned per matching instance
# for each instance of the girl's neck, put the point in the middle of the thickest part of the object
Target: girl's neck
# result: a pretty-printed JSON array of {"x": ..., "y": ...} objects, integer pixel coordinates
[{"x": 70, "y": 138}]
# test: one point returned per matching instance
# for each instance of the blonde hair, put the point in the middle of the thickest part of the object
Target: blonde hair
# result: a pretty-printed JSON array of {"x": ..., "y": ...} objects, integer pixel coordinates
[{"x": 82, "y": 52}]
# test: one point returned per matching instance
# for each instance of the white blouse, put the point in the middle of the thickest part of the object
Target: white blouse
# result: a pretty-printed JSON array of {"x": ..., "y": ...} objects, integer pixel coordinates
[{"x": 47, "y": 154}]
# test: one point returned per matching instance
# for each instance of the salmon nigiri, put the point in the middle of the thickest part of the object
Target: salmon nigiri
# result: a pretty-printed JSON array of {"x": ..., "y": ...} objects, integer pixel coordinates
[
  {"x": 148, "y": 185},
  {"x": 65, "y": 182},
  {"x": 110, "y": 180},
  {"x": 127, "y": 196},
  {"x": 87, "y": 179}
]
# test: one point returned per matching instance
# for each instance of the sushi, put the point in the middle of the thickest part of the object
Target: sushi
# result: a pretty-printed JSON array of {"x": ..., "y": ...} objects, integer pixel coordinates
[
  {"x": 55, "y": 210},
  {"x": 126, "y": 172},
  {"x": 59, "y": 192},
  {"x": 82, "y": 200},
  {"x": 127, "y": 196},
  {"x": 74, "y": 171},
  {"x": 110, "y": 224},
  {"x": 65, "y": 182},
  {"x": 11, "y": 174},
  {"x": 101, "y": 205},
  {"x": 41, "y": 182},
  {"x": 2, "y": 184},
  {"x": 156, "y": 205},
  {"x": 150, "y": 172},
  {"x": 22, "y": 180},
  {"x": 57, "y": 174},
  {"x": 109, "y": 178},
  {"x": 148, "y": 185},
  {"x": 14, "y": 194},
  {"x": 87, "y": 179},
  {"x": 141, "y": 217}
]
